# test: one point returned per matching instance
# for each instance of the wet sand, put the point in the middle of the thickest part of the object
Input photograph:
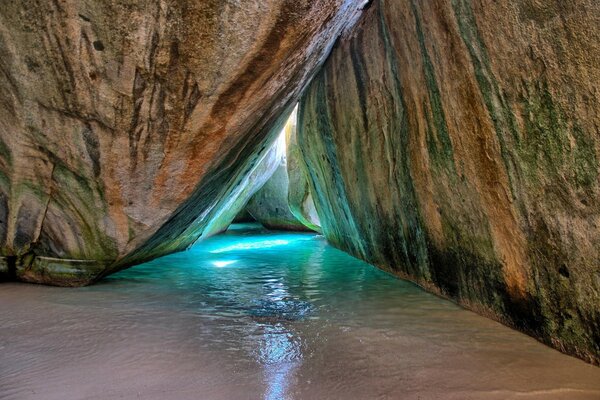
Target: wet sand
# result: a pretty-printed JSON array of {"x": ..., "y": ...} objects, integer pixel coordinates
[{"x": 258, "y": 315}]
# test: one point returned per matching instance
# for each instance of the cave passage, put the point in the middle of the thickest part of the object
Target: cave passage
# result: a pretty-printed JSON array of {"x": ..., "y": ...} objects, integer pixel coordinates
[{"x": 254, "y": 313}]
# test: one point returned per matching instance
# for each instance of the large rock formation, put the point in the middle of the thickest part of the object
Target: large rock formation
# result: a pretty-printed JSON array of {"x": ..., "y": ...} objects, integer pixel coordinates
[
  {"x": 126, "y": 127},
  {"x": 269, "y": 205},
  {"x": 300, "y": 201},
  {"x": 456, "y": 143},
  {"x": 285, "y": 202}
]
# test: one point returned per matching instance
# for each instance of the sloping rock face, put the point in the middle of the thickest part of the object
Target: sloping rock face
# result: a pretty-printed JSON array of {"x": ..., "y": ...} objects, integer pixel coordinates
[
  {"x": 300, "y": 201},
  {"x": 285, "y": 201},
  {"x": 243, "y": 192},
  {"x": 127, "y": 126},
  {"x": 269, "y": 205},
  {"x": 455, "y": 143}
]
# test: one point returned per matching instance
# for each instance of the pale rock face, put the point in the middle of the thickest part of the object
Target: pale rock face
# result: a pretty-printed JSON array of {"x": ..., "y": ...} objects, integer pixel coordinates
[
  {"x": 284, "y": 202},
  {"x": 300, "y": 201},
  {"x": 455, "y": 143},
  {"x": 269, "y": 205},
  {"x": 126, "y": 126},
  {"x": 239, "y": 197}
]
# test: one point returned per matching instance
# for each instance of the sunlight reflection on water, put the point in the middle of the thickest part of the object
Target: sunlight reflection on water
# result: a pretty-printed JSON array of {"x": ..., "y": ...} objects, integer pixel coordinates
[{"x": 253, "y": 314}]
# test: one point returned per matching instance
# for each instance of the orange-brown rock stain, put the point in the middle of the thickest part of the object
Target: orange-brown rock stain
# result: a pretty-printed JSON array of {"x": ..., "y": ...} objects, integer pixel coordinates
[{"x": 467, "y": 160}]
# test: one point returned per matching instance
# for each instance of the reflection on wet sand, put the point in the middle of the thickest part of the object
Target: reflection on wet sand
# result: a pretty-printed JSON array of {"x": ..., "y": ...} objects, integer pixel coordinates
[{"x": 262, "y": 315}]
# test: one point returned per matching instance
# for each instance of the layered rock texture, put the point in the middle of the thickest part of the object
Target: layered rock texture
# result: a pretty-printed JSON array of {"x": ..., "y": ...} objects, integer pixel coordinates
[
  {"x": 456, "y": 143},
  {"x": 128, "y": 129}
]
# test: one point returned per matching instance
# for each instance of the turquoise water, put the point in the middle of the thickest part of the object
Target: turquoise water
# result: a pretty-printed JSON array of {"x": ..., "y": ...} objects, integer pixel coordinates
[
  {"x": 250, "y": 272},
  {"x": 253, "y": 314}
]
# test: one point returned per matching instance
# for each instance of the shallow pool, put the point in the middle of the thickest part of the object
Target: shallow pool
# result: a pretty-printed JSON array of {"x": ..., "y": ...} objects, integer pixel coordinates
[{"x": 253, "y": 314}]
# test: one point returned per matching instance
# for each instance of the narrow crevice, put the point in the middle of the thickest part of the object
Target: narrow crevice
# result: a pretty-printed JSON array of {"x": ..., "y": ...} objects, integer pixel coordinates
[{"x": 11, "y": 264}]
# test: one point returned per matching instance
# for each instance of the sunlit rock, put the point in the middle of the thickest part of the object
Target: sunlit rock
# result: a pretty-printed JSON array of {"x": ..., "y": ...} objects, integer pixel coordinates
[
  {"x": 300, "y": 199},
  {"x": 127, "y": 126},
  {"x": 243, "y": 192},
  {"x": 269, "y": 205},
  {"x": 455, "y": 143}
]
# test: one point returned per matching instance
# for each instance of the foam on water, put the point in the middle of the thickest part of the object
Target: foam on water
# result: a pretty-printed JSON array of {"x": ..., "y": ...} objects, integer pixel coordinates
[{"x": 253, "y": 314}]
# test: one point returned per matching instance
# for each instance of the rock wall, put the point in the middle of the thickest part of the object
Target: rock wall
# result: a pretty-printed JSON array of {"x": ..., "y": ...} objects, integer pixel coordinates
[
  {"x": 127, "y": 126},
  {"x": 239, "y": 196},
  {"x": 300, "y": 201},
  {"x": 455, "y": 143},
  {"x": 285, "y": 201},
  {"x": 269, "y": 205}
]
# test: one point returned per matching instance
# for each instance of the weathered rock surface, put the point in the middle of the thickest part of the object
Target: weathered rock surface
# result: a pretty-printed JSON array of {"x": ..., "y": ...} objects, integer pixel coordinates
[
  {"x": 285, "y": 202},
  {"x": 243, "y": 192},
  {"x": 455, "y": 143},
  {"x": 127, "y": 126},
  {"x": 300, "y": 201},
  {"x": 269, "y": 205}
]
